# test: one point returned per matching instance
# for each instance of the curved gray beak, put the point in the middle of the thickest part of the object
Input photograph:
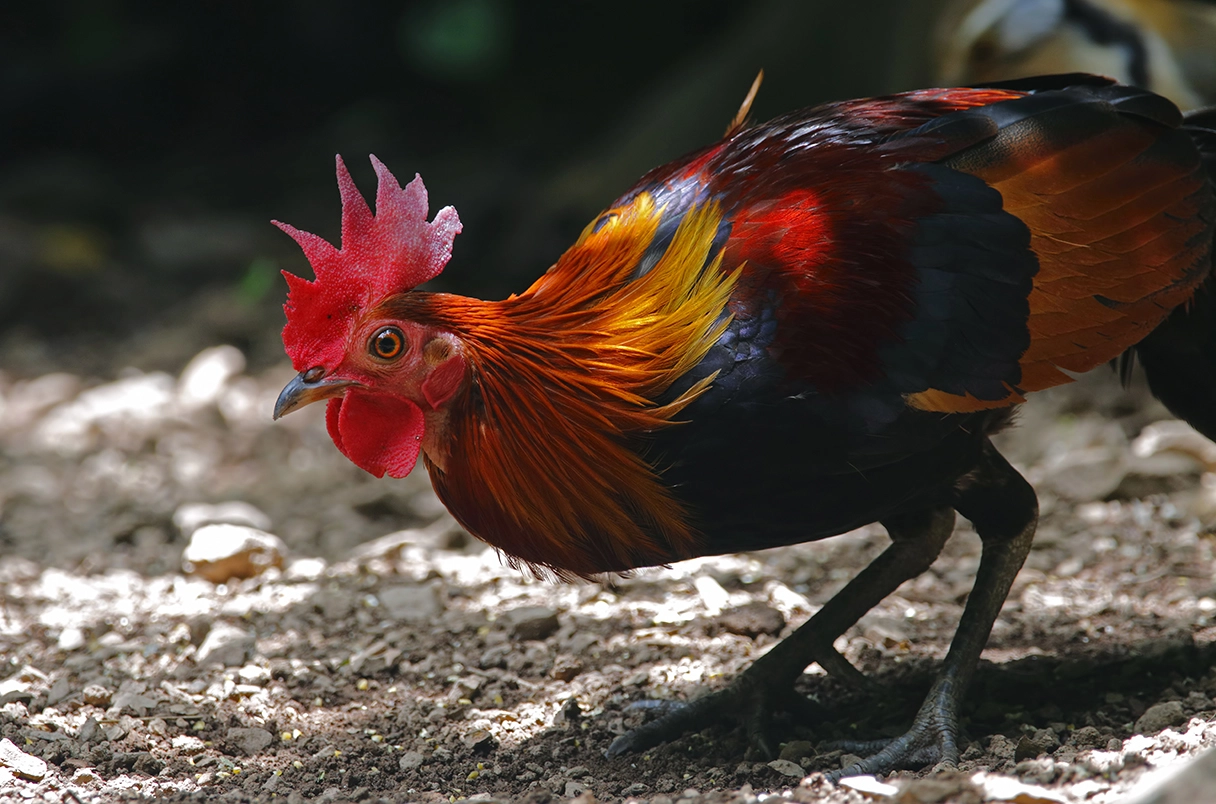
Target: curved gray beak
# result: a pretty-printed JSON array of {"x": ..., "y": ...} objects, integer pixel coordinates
[{"x": 308, "y": 387}]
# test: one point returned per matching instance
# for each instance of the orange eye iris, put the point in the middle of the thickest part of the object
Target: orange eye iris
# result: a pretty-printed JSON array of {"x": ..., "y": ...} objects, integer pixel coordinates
[{"x": 387, "y": 344}]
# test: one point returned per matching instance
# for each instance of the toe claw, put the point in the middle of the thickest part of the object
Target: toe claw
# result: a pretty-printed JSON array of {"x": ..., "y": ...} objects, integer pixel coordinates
[
  {"x": 675, "y": 719},
  {"x": 918, "y": 748}
]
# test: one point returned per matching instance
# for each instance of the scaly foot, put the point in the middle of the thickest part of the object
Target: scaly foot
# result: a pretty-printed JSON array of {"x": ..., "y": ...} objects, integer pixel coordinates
[
  {"x": 932, "y": 739},
  {"x": 748, "y": 702}
]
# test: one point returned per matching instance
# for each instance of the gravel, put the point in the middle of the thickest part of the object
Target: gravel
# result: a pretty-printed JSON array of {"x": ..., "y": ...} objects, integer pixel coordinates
[{"x": 368, "y": 649}]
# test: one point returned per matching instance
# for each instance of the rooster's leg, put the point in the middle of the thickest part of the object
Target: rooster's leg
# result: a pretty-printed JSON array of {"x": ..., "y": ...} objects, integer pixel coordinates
[
  {"x": 768, "y": 685},
  {"x": 1004, "y": 509}
]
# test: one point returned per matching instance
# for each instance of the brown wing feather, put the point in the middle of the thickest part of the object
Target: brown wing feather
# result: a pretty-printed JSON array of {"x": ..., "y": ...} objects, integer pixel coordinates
[{"x": 1113, "y": 202}]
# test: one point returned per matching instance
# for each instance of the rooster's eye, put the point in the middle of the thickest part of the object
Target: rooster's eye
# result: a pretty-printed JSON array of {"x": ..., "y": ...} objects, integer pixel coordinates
[{"x": 387, "y": 344}]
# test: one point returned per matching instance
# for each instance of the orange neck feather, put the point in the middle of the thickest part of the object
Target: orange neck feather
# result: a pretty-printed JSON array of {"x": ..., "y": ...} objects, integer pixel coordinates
[{"x": 546, "y": 444}]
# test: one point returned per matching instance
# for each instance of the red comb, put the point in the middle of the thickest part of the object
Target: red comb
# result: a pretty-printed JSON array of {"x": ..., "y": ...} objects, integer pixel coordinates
[{"x": 389, "y": 252}]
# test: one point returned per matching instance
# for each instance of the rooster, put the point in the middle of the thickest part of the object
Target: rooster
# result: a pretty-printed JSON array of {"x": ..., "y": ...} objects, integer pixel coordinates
[{"x": 813, "y": 324}]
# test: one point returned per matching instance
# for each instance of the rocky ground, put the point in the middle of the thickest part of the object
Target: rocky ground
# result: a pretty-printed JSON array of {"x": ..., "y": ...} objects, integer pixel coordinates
[{"x": 197, "y": 603}]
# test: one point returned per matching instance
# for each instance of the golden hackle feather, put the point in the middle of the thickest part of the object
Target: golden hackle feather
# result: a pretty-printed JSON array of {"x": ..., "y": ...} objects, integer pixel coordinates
[{"x": 548, "y": 457}]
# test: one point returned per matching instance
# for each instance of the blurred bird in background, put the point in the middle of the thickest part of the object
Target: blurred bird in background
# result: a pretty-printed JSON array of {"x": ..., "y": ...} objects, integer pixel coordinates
[{"x": 1168, "y": 46}]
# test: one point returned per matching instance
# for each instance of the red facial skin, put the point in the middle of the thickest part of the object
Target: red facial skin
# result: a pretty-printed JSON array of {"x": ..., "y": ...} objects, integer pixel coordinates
[{"x": 392, "y": 408}]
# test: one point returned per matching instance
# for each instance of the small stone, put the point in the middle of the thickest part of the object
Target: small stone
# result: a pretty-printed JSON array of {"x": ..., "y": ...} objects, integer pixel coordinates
[
  {"x": 566, "y": 668},
  {"x": 713, "y": 596},
  {"x": 635, "y": 789},
  {"x": 495, "y": 656},
  {"x": 952, "y": 788},
  {"x": 797, "y": 750},
  {"x": 847, "y": 760},
  {"x": 96, "y": 695},
  {"x": 787, "y": 768},
  {"x": 222, "y": 553},
  {"x": 1087, "y": 737},
  {"x": 480, "y": 741},
  {"x": 27, "y": 400},
  {"x": 410, "y": 603},
  {"x": 25, "y": 678},
  {"x": 139, "y": 761},
  {"x": 133, "y": 404},
  {"x": 1202, "y": 505},
  {"x": 189, "y": 517},
  {"x": 61, "y": 689},
  {"x": 1047, "y": 740},
  {"x": 188, "y": 744},
  {"x": 85, "y": 776},
  {"x": 869, "y": 786},
  {"x": 21, "y": 687},
  {"x": 334, "y": 604},
  {"x": 90, "y": 731},
  {"x": 530, "y": 622},
  {"x": 972, "y": 751},
  {"x": 70, "y": 639},
  {"x": 254, "y": 674},
  {"x": 1002, "y": 747},
  {"x": 249, "y": 740},
  {"x": 1177, "y": 437},
  {"x": 130, "y": 696},
  {"x": 226, "y": 645},
  {"x": 1196, "y": 701},
  {"x": 1037, "y": 771},
  {"x": 1026, "y": 748},
  {"x": 410, "y": 760},
  {"x": 752, "y": 620},
  {"x": 27, "y": 766},
  {"x": 1085, "y": 473},
  {"x": 1161, "y": 716},
  {"x": 569, "y": 714},
  {"x": 205, "y": 376},
  {"x": 575, "y": 789},
  {"x": 995, "y": 787},
  {"x": 22, "y": 697},
  {"x": 305, "y": 569}
]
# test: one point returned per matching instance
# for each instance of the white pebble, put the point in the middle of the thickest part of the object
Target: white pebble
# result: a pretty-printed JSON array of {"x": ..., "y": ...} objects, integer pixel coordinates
[{"x": 204, "y": 377}]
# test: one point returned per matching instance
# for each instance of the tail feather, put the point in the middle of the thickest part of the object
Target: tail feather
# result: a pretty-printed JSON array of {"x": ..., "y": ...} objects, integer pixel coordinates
[{"x": 1179, "y": 356}]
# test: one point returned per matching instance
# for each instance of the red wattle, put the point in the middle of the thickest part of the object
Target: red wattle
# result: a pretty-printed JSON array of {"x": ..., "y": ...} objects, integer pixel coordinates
[
  {"x": 380, "y": 433},
  {"x": 333, "y": 409}
]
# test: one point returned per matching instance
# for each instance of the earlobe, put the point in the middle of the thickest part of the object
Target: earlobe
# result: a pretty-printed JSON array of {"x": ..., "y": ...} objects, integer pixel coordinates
[{"x": 443, "y": 381}]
